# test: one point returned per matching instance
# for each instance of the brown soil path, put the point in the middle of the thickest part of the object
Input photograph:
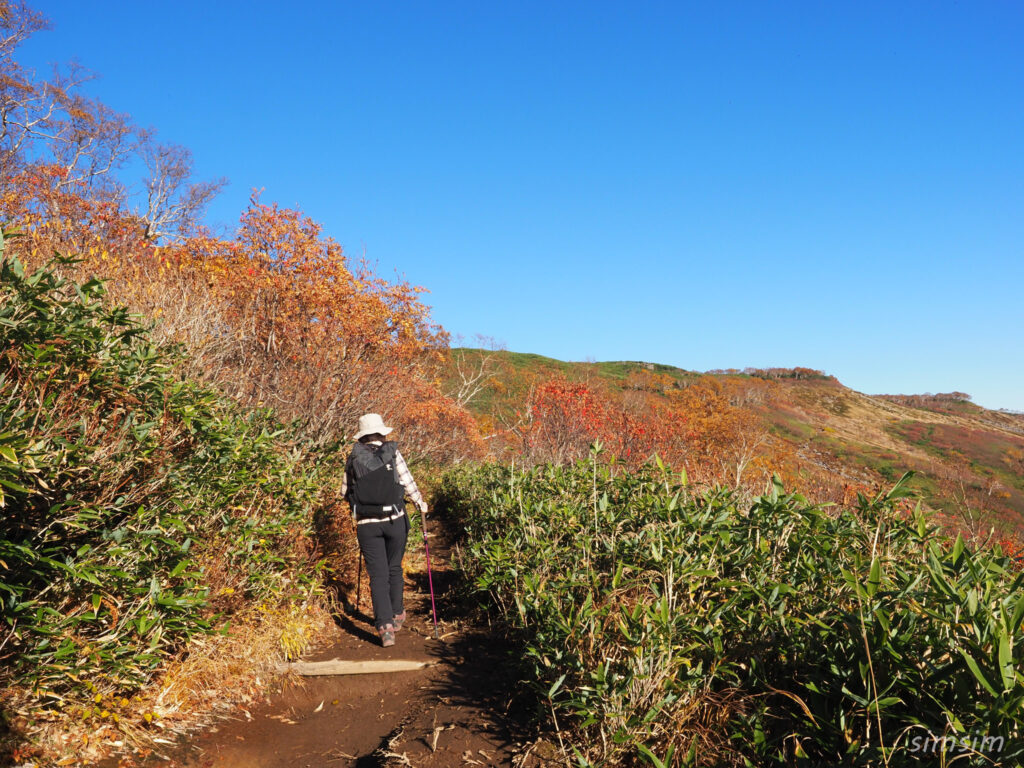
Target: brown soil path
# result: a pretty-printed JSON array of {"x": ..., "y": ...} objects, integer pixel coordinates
[{"x": 452, "y": 713}]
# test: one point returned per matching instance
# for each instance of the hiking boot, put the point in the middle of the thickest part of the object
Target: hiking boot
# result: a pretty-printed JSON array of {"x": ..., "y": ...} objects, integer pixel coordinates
[
  {"x": 399, "y": 620},
  {"x": 387, "y": 635}
]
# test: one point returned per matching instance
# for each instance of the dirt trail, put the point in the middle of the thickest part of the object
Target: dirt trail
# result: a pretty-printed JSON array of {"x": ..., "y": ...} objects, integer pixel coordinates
[{"x": 452, "y": 713}]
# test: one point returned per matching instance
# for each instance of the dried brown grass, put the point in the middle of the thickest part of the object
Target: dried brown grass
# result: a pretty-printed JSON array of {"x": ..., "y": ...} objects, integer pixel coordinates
[{"x": 217, "y": 676}]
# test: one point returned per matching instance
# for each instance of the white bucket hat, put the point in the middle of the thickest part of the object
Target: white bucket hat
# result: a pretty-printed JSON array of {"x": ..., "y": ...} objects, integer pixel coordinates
[{"x": 370, "y": 424}]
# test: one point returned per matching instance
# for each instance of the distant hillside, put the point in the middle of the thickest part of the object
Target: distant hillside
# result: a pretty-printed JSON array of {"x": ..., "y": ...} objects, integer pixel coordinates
[{"x": 969, "y": 460}]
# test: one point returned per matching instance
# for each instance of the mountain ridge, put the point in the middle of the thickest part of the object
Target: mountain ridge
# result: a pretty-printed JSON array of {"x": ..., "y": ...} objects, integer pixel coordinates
[{"x": 968, "y": 460}]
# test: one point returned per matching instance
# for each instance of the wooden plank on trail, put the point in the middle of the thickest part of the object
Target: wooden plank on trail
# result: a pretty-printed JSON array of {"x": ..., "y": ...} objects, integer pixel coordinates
[{"x": 343, "y": 667}]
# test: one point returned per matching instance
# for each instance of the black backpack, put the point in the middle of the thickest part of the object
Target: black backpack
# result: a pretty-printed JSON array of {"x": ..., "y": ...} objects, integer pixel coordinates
[{"x": 374, "y": 489}]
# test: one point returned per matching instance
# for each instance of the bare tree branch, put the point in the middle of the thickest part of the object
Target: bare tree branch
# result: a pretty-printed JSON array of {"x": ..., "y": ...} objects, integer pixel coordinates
[
  {"x": 473, "y": 368},
  {"x": 26, "y": 107},
  {"x": 174, "y": 203},
  {"x": 89, "y": 139}
]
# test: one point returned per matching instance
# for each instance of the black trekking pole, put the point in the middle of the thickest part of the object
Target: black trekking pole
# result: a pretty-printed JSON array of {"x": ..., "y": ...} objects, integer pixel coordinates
[
  {"x": 430, "y": 578},
  {"x": 359, "y": 584}
]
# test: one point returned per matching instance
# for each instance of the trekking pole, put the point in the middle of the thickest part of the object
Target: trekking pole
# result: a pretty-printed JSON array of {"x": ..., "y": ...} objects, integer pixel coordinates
[
  {"x": 430, "y": 578},
  {"x": 359, "y": 584}
]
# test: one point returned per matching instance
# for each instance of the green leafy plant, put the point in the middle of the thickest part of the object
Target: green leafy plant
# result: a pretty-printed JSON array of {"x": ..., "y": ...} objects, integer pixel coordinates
[
  {"x": 676, "y": 627},
  {"x": 137, "y": 509}
]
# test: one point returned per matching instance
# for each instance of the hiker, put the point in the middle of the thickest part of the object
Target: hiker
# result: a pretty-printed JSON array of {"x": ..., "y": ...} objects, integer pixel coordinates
[{"x": 376, "y": 483}]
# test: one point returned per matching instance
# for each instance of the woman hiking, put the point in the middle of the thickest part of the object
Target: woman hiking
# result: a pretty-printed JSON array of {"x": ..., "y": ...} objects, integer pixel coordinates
[{"x": 377, "y": 480}]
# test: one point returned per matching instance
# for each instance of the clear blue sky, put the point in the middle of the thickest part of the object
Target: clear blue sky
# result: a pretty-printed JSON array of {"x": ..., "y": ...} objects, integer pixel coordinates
[{"x": 834, "y": 185}]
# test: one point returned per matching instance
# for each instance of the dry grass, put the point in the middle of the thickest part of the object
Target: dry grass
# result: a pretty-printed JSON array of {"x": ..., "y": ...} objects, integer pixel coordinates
[{"x": 217, "y": 676}]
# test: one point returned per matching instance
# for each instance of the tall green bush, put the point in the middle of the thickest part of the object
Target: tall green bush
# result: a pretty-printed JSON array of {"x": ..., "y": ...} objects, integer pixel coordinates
[
  {"x": 136, "y": 509},
  {"x": 675, "y": 627}
]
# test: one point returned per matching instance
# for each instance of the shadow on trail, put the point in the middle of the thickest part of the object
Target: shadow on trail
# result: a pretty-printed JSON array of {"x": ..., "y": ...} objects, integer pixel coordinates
[
  {"x": 485, "y": 675},
  {"x": 346, "y": 622},
  {"x": 482, "y": 691}
]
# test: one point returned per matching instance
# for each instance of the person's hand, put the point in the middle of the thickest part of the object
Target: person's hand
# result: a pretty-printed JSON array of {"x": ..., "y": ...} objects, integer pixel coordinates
[{"x": 423, "y": 507}]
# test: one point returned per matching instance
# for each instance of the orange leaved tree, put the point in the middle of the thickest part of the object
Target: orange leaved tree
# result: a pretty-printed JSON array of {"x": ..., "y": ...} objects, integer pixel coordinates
[{"x": 322, "y": 339}]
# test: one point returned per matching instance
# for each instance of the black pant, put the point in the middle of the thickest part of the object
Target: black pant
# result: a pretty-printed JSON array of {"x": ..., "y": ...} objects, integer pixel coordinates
[{"x": 383, "y": 545}]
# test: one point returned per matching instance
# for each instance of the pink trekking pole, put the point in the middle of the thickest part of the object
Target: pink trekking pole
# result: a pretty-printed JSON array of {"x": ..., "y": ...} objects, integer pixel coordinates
[{"x": 430, "y": 578}]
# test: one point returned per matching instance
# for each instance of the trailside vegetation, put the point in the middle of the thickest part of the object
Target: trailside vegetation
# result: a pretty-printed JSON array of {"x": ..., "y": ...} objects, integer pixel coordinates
[
  {"x": 673, "y": 626},
  {"x": 139, "y": 509}
]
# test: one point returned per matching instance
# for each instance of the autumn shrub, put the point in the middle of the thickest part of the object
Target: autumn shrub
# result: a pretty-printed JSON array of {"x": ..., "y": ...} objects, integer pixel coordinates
[
  {"x": 662, "y": 625},
  {"x": 694, "y": 426},
  {"x": 275, "y": 316},
  {"x": 324, "y": 339},
  {"x": 139, "y": 509}
]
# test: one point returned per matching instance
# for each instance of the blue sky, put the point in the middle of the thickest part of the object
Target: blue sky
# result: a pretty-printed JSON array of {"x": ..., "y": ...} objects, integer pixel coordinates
[{"x": 834, "y": 185}]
